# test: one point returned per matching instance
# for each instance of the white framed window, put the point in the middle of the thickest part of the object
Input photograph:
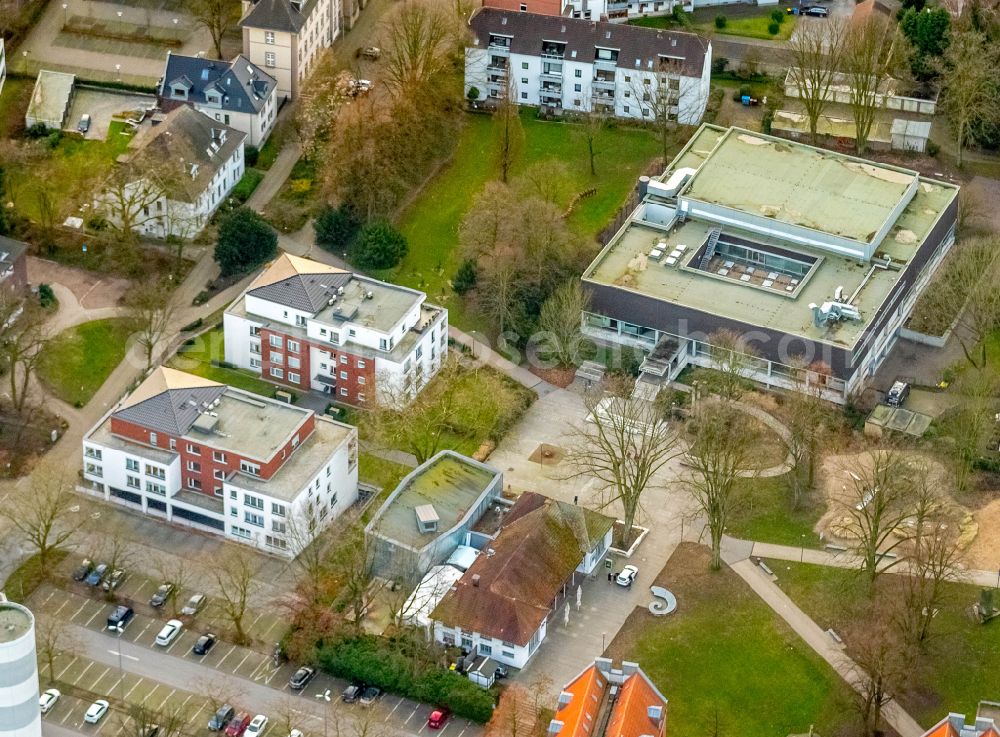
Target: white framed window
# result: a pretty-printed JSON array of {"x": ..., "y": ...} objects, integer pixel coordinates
[
  {"x": 158, "y": 489},
  {"x": 275, "y": 341},
  {"x": 156, "y": 472},
  {"x": 152, "y": 438},
  {"x": 269, "y": 59},
  {"x": 276, "y": 542},
  {"x": 193, "y": 483},
  {"x": 219, "y": 475},
  {"x": 361, "y": 379},
  {"x": 254, "y": 362},
  {"x": 254, "y": 519},
  {"x": 232, "y": 493},
  {"x": 278, "y": 510},
  {"x": 294, "y": 362},
  {"x": 131, "y": 464},
  {"x": 361, "y": 396},
  {"x": 277, "y": 373},
  {"x": 277, "y": 526},
  {"x": 343, "y": 391},
  {"x": 276, "y": 357},
  {"x": 133, "y": 482},
  {"x": 343, "y": 374},
  {"x": 269, "y": 37},
  {"x": 343, "y": 360},
  {"x": 361, "y": 363},
  {"x": 194, "y": 466},
  {"x": 254, "y": 502},
  {"x": 293, "y": 377},
  {"x": 252, "y": 468},
  {"x": 242, "y": 532},
  {"x": 218, "y": 457},
  {"x": 293, "y": 346}
]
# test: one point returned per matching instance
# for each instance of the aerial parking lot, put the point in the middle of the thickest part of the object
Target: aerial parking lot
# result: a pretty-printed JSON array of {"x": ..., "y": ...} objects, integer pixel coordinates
[{"x": 132, "y": 672}]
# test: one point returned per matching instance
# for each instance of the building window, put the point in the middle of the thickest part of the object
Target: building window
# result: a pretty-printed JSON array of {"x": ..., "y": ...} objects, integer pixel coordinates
[
  {"x": 251, "y": 468},
  {"x": 577, "y": 88},
  {"x": 524, "y": 95},
  {"x": 361, "y": 396},
  {"x": 152, "y": 438},
  {"x": 254, "y": 519},
  {"x": 242, "y": 532},
  {"x": 254, "y": 363},
  {"x": 343, "y": 391},
  {"x": 351, "y": 332},
  {"x": 467, "y": 642},
  {"x": 293, "y": 377},
  {"x": 276, "y": 542},
  {"x": 219, "y": 475},
  {"x": 269, "y": 37},
  {"x": 343, "y": 360},
  {"x": 217, "y": 491},
  {"x": 277, "y": 526},
  {"x": 269, "y": 59},
  {"x": 485, "y": 649},
  {"x": 524, "y": 65},
  {"x": 94, "y": 470},
  {"x": 361, "y": 364},
  {"x": 158, "y": 489},
  {"x": 524, "y": 8},
  {"x": 133, "y": 482},
  {"x": 131, "y": 464},
  {"x": 156, "y": 472},
  {"x": 275, "y": 341},
  {"x": 93, "y": 453},
  {"x": 276, "y": 357},
  {"x": 255, "y": 502},
  {"x": 194, "y": 483},
  {"x": 524, "y": 80},
  {"x": 194, "y": 466},
  {"x": 361, "y": 379},
  {"x": 578, "y": 73},
  {"x": 343, "y": 375},
  {"x": 232, "y": 493},
  {"x": 293, "y": 362},
  {"x": 277, "y": 373},
  {"x": 278, "y": 510},
  {"x": 625, "y": 109},
  {"x": 218, "y": 457}
]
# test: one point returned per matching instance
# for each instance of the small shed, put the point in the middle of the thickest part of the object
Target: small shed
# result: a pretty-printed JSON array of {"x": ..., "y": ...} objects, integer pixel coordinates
[
  {"x": 483, "y": 671},
  {"x": 910, "y": 135},
  {"x": 50, "y": 99}
]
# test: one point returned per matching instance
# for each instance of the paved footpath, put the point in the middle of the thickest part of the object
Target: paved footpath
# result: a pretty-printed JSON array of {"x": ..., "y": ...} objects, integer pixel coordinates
[{"x": 484, "y": 354}]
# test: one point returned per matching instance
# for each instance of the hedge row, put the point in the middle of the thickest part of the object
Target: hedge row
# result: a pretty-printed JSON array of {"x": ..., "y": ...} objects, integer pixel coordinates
[{"x": 384, "y": 663}]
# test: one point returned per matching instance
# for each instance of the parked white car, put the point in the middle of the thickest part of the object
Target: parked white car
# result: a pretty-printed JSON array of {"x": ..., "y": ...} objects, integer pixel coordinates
[
  {"x": 96, "y": 711},
  {"x": 627, "y": 576},
  {"x": 257, "y": 726},
  {"x": 48, "y": 699},
  {"x": 169, "y": 632}
]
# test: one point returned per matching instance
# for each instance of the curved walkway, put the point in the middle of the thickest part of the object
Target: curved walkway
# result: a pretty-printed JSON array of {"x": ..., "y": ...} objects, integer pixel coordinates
[{"x": 772, "y": 423}]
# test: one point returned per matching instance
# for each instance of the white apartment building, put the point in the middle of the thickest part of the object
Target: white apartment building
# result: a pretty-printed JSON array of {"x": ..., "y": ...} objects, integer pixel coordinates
[
  {"x": 580, "y": 66},
  {"x": 185, "y": 165},
  {"x": 285, "y": 36},
  {"x": 218, "y": 459},
  {"x": 312, "y": 326},
  {"x": 237, "y": 93}
]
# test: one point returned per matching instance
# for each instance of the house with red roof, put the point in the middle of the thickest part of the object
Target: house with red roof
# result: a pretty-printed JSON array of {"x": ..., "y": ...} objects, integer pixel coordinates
[
  {"x": 984, "y": 725},
  {"x": 604, "y": 701}
]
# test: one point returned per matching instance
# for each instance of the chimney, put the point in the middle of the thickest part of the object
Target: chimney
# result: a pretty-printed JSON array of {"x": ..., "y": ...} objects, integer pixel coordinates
[
  {"x": 475, "y": 580},
  {"x": 838, "y": 294},
  {"x": 564, "y": 698},
  {"x": 818, "y": 320},
  {"x": 643, "y": 186},
  {"x": 555, "y": 726}
]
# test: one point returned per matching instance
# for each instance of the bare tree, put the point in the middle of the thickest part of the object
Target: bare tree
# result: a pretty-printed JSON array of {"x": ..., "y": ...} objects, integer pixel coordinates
[
  {"x": 511, "y": 716},
  {"x": 115, "y": 546},
  {"x": 235, "y": 573},
  {"x": 511, "y": 139},
  {"x": 814, "y": 52},
  {"x": 175, "y": 569},
  {"x": 657, "y": 97},
  {"x": 140, "y": 719},
  {"x": 807, "y": 419},
  {"x": 216, "y": 16},
  {"x": 418, "y": 48},
  {"x": 722, "y": 446},
  {"x": 970, "y": 89},
  {"x": 150, "y": 308},
  {"x": 44, "y": 514},
  {"x": 871, "y": 55},
  {"x": 876, "y": 503},
  {"x": 354, "y": 564},
  {"x": 883, "y": 667},
  {"x": 969, "y": 424},
  {"x": 23, "y": 335},
  {"x": 53, "y": 637},
  {"x": 559, "y": 323},
  {"x": 735, "y": 361},
  {"x": 130, "y": 197},
  {"x": 592, "y": 124},
  {"x": 624, "y": 445}
]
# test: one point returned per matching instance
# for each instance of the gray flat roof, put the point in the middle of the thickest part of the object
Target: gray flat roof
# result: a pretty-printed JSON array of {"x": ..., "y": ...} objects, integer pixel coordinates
[
  {"x": 254, "y": 426},
  {"x": 800, "y": 185},
  {"x": 50, "y": 98},
  {"x": 15, "y": 621},
  {"x": 303, "y": 464},
  {"x": 449, "y": 482}
]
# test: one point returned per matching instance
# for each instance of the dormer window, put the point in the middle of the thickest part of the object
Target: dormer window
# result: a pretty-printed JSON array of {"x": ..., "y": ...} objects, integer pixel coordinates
[
  {"x": 213, "y": 99},
  {"x": 179, "y": 92}
]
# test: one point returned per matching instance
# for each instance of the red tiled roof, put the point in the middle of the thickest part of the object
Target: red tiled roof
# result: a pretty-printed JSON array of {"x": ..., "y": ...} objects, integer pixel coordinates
[
  {"x": 630, "y": 714},
  {"x": 580, "y": 714}
]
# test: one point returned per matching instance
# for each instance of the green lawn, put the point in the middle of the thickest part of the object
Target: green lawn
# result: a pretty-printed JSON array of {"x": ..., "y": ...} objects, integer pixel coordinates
[
  {"x": 14, "y": 102},
  {"x": 958, "y": 668},
  {"x": 767, "y": 516},
  {"x": 431, "y": 222},
  {"x": 746, "y": 26},
  {"x": 725, "y": 655},
  {"x": 197, "y": 359},
  {"x": 76, "y": 362}
]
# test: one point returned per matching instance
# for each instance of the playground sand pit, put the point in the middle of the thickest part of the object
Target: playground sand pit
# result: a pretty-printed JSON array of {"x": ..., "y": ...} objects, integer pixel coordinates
[{"x": 984, "y": 553}]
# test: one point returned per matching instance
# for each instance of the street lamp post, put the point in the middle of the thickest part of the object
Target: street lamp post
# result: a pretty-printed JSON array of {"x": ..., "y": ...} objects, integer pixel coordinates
[
  {"x": 65, "y": 7},
  {"x": 326, "y": 697},
  {"x": 120, "y": 629}
]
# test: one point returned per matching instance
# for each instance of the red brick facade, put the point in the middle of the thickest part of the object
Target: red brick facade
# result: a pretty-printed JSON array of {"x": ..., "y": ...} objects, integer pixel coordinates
[
  {"x": 355, "y": 375},
  {"x": 203, "y": 460},
  {"x": 540, "y": 7}
]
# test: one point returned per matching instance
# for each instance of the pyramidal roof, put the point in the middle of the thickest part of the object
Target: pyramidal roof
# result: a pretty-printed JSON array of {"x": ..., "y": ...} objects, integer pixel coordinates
[
  {"x": 298, "y": 282},
  {"x": 169, "y": 400}
]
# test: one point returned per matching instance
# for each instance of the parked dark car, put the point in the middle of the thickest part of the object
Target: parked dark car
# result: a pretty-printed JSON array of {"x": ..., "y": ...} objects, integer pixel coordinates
[
  {"x": 96, "y": 576},
  {"x": 301, "y": 677},
  {"x": 83, "y": 126},
  {"x": 221, "y": 718},
  {"x": 897, "y": 394},
  {"x": 81, "y": 571},
  {"x": 120, "y": 616},
  {"x": 370, "y": 695},
  {"x": 238, "y": 725},
  {"x": 501, "y": 671},
  {"x": 204, "y": 644},
  {"x": 163, "y": 593},
  {"x": 114, "y": 580},
  {"x": 352, "y": 693}
]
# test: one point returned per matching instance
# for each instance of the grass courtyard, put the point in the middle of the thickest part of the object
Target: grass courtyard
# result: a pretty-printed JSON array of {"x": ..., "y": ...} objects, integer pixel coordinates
[
  {"x": 725, "y": 655},
  {"x": 738, "y": 23},
  {"x": 766, "y": 515},
  {"x": 431, "y": 222},
  {"x": 957, "y": 668},
  {"x": 197, "y": 358},
  {"x": 77, "y": 362}
]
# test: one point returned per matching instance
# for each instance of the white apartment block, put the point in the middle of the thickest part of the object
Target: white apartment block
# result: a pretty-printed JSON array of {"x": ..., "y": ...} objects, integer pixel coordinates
[
  {"x": 581, "y": 66},
  {"x": 311, "y": 326},
  {"x": 285, "y": 36},
  {"x": 205, "y": 455},
  {"x": 238, "y": 93},
  {"x": 188, "y": 163}
]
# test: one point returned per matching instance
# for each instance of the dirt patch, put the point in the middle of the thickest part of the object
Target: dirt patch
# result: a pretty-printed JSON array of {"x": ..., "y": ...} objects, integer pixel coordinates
[
  {"x": 561, "y": 377},
  {"x": 92, "y": 290},
  {"x": 547, "y": 455},
  {"x": 25, "y": 438},
  {"x": 984, "y": 553}
]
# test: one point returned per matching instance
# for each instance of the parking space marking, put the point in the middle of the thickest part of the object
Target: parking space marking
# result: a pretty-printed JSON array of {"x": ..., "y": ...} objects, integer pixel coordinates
[
  {"x": 93, "y": 685},
  {"x": 133, "y": 688},
  {"x": 172, "y": 692},
  {"x": 136, "y": 638},
  {"x": 68, "y": 666},
  {"x": 56, "y": 612},
  {"x": 82, "y": 606},
  {"x": 93, "y": 616},
  {"x": 89, "y": 665},
  {"x": 46, "y": 599},
  {"x": 171, "y": 645},
  {"x": 389, "y": 715},
  {"x": 231, "y": 650},
  {"x": 242, "y": 662},
  {"x": 146, "y": 697}
]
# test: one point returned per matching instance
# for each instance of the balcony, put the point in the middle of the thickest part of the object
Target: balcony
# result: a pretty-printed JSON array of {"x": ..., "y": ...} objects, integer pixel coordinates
[
  {"x": 605, "y": 63},
  {"x": 496, "y": 69},
  {"x": 502, "y": 49},
  {"x": 554, "y": 74},
  {"x": 603, "y": 97},
  {"x": 604, "y": 84},
  {"x": 549, "y": 96}
]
